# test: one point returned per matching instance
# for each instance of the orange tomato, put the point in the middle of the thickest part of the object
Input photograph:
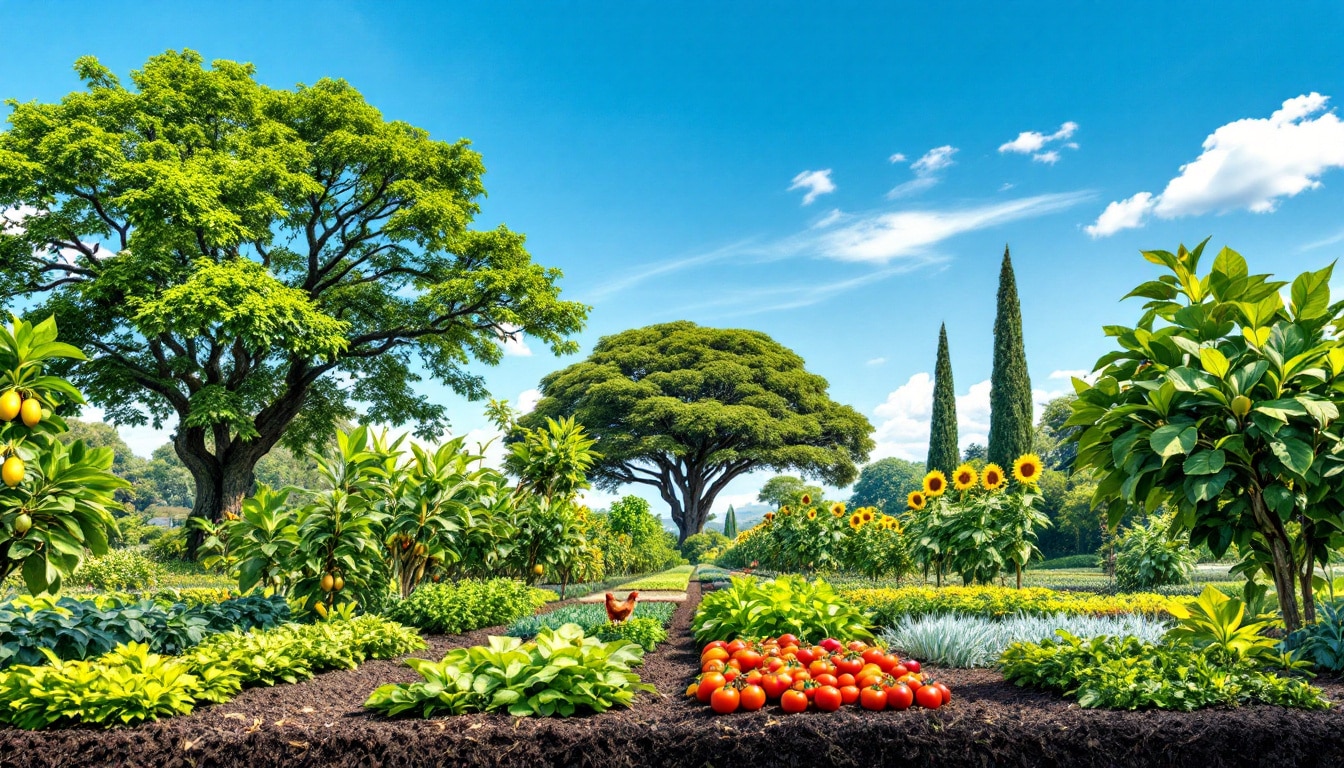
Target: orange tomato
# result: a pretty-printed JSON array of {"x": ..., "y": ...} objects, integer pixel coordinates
[
  {"x": 725, "y": 700},
  {"x": 849, "y": 693},
  {"x": 709, "y": 683},
  {"x": 753, "y": 698},
  {"x": 710, "y": 654},
  {"x": 793, "y": 702}
]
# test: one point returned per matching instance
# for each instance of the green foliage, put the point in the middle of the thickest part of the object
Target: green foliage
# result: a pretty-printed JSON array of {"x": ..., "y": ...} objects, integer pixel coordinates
[
  {"x": 1217, "y": 624},
  {"x": 1127, "y": 673},
  {"x": 631, "y": 539},
  {"x": 647, "y": 633},
  {"x": 451, "y": 609},
  {"x": 788, "y": 491},
  {"x": 1146, "y": 557},
  {"x": 1011, "y": 410},
  {"x": 120, "y": 569},
  {"x": 978, "y": 533},
  {"x": 943, "y": 446},
  {"x": 884, "y": 484},
  {"x": 959, "y": 640},
  {"x": 561, "y": 673},
  {"x": 713, "y": 403},
  {"x": 674, "y": 579},
  {"x": 234, "y": 247},
  {"x": 1054, "y": 441},
  {"x": 704, "y": 547},
  {"x": 752, "y": 608},
  {"x": 1069, "y": 562},
  {"x": 826, "y": 538},
  {"x": 889, "y": 605},
  {"x": 730, "y": 523},
  {"x": 1227, "y": 413},
  {"x": 1322, "y": 643},
  {"x": 589, "y": 616}
]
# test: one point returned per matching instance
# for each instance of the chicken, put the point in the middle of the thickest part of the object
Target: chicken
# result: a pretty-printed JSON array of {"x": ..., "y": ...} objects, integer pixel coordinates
[{"x": 618, "y": 611}]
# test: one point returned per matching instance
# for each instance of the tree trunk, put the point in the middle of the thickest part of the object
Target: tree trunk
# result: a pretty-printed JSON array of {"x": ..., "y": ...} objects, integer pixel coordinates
[
  {"x": 1284, "y": 569},
  {"x": 1018, "y": 566},
  {"x": 1308, "y": 594},
  {"x": 220, "y": 491}
]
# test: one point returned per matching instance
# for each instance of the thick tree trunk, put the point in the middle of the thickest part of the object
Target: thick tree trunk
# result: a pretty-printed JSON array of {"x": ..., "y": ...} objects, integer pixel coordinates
[{"x": 1284, "y": 568}]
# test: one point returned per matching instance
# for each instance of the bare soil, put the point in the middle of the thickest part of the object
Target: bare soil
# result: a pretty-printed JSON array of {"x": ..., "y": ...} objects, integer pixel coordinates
[{"x": 989, "y": 723}]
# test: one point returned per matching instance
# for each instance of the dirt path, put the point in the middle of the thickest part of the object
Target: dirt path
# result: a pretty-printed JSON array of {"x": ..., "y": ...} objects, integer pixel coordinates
[{"x": 322, "y": 723}]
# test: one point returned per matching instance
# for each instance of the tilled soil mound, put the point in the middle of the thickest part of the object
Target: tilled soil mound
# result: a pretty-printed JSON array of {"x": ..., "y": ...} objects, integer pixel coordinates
[{"x": 989, "y": 723}]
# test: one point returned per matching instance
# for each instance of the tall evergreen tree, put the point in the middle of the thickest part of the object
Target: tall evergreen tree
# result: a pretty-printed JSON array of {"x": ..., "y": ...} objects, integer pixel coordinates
[
  {"x": 943, "y": 450},
  {"x": 730, "y": 523},
  {"x": 1010, "y": 416}
]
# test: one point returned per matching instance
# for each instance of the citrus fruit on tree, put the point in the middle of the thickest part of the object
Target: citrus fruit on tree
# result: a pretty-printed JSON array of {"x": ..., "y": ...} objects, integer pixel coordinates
[
  {"x": 10, "y": 403},
  {"x": 22, "y": 524},
  {"x": 12, "y": 471},
  {"x": 31, "y": 412}
]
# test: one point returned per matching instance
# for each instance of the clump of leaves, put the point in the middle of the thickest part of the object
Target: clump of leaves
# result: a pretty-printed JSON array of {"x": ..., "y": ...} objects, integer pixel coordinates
[
  {"x": 788, "y": 604},
  {"x": 644, "y": 632},
  {"x": 561, "y": 673},
  {"x": 590, "y": 616},
  {"x": 469, "y": 604},
  {"x": 1218, "y": 623},
  {"x": 1322, "y": 643},
  {"x": 1147, "y": 557}
]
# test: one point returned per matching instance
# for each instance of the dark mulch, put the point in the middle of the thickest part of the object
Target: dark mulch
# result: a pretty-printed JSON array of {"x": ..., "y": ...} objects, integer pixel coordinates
[{"x": 322, "y": 723}]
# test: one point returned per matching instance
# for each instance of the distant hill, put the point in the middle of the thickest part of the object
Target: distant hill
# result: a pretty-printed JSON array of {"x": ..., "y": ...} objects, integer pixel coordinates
[{"x": 747, "y": 516}]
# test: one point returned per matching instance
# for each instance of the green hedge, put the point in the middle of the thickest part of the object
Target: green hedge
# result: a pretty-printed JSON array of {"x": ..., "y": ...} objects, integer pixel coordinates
[{"x": 451, "y": 609}]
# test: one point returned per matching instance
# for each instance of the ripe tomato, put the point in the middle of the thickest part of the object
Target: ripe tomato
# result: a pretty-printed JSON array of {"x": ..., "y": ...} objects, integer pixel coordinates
[
  {"x": 799, "y": 675},
  {"x": 887, "y": 662},
  {"x": 713, "y": 665},
  {"x": 774, "y": 664},
  {"x": 754, "y": 677},
  {"x": 820, "y": 667},
  {"x": 774, "y": 685},
  {"x": 710, "y": 654},
  {"x": 788, "y": 639},
  {"x": 715, "y": 644},
  {"x": 871, "y": 656},
  {"x": 748, "y": 658},
  {"x": 828, "y": 698},
  {"x": 856, "y": 645},
  {"x": 725, "y": 700},
  {"x": 873, "y": 697},
  {"x": 851, "y": 663},
  {"x": 805, "y": 656},
  {"x": 730, "y": 674},
  {"x": 899, "y": 670},
  {"x": 947, "y": 692},
  {"x": 734, "y": 664},
  {"x": 735, "y": 646},
  {"x": 911, "y": 665},
  {"x": 825, "y": 679},
  {"x": 929, "y": 697},
  {"x": 870, "y": 669},
  {"x": 844, "y": 679},
  {"x": 753, "y": 698},
  {"x": 849, "y": 693},
  {"x": 808, "y": 687},
  {"x": 913, "y": 680},
  {"x": 899, "y": 696},
  {"x": 863, "y": 681},
  {"x": 709, "y": 683},
  {"x": 793, "y": 702},
  {"x": 690, "y": 690}
]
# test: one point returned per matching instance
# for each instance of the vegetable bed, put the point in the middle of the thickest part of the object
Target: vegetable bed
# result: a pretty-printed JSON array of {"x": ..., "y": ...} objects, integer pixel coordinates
[{"x": 322, "y": 722}]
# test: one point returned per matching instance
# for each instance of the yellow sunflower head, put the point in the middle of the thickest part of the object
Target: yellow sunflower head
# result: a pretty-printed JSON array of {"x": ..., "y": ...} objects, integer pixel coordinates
[
  {"x": 1027, "y": 469},
  {"x": 785, "y": 511},
  {"x": 838, "y": 509},
  {"x": 811, "y": 513},
  {"x": 867, "y": 513},
  {"x": 993, "y": 478},
  {"x": 916, "y": 500},
  {"x": 807, "y": 499},
  {"x": 935, "y": 483},
  {"x": 965, "y": 478},
  {"x": 856, "y": 521}
]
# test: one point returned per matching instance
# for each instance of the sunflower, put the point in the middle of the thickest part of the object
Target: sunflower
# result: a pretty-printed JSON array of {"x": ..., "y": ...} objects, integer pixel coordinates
[
  {"x": 993, "y": 479},
  {"x": 807, "y": 499},
  {"x": 934, "y": 484},
  {"x": 867, "y": 513},
  {"x": 856, "y": 521},
  {"x": 785, "y": 511},
  {"x": 838, "y": 509},
  {"x": 916, "y": 500},
  {"x": 1027, "y": 469},
  {"x": 811, "y": 513},
  {"x": 964, "y": 478}
]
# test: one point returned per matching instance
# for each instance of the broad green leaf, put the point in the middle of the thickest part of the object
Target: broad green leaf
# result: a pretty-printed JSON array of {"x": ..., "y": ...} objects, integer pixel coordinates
[
  {"x": 1295, "y": 454},
  {"x": 1173, "y": 439},
  {"x": 1204, "y": 463},
  {"x": 1214, "y": 361}
]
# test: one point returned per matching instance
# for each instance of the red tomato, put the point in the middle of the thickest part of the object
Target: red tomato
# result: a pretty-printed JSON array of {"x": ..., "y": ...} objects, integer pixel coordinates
[
  {"x": 753, "y": 698},
  {"x": 871, "y": 656},
  {"x": 808, "y": 687},
  {"x": 805, "y": 656},
  {"x": 828, "y": 698},
  {"x": 899, "y": 670},
  {"x": 849, "y": 693},
  {"x": 911, "y": 665},
  {"x": 863, "y": 681},
  {"x": 710, "y": 654},
  {"x": 820, "y": 667},
  {"x": 735, "y": 646},
  {"x": 857, "y": 645},
  {"x": 734, "y": 663},
  {"x": 947, "y": 692},
  {"x": 825, "y": 679},
  {"x": 899, "y": 696},
  {"x": 725, "y": 700},
  {"x": 774, "y": 685},
  {"x": 748, "y": 658},
  {"x": 754, "y": 677},
  {"x": 799, "y": 675},
  {"x": 787, "y": 640},
  {"x": 774, "y": 664},
  {"x": 929, "y": 697},
  {"x": 709, "y": 683},
  {"x": 715, "y": 644},
  {"x": 873, "y": 697},
  {"x": 850, "y": 663},
  {"x": 713, "y": 665},
  {"x": 845, "y": 679},
  {"x": 888, "y": 662},
  {"x": 793, "y": 701},
  {"x": 730, "y": 674}
]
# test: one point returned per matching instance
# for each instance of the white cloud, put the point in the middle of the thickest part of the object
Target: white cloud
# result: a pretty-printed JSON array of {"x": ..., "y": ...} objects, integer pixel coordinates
[
  {"x": 1249, "y": 164},
  {"x": 825, "y": 221},
  {"x": 816, "y": 183},
  {"x": 650, "y": 271},
  {"x": 1338, "y": 237},
  {"x": 528, "y": 399},
  {"x": 1005, "y": 186},
  {"x": 881, "y": 237},
  {"x": 513, "y": 342},
  {"x": 877, "y": 361},
  {"x": 926, "y": 170},
  {"x": 899, "y": 157},
  {"x": 1122, "y": 214},
  {"x": 1033, "y": 142},
  {"x": 1071, "y": 374}
]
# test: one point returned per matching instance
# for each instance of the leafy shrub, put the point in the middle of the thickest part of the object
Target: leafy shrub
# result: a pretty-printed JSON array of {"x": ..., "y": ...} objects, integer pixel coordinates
[
  {"x": 890, "y": 605},
  {"x": 752, "y": 608},
  {"x": 976, "y": 641},
  {"x": 450, "y": 609},
  {"x": 672, "y": 580},
  {"x": 1321, "y": 643},
  {"x": 1071, "y": 561},
  {"x": 1145, "y": 557},
  {"x": 1127, "y": 673},
  {"x": 704, "y": 547},
  {"x": 169, "y": 547},
  {"x": 588, "y": 616},
  {"x": 1217, "y": 624},
  {"x": 561, "y": 673},
  {"x": 647, "y": 633},
  {"x": 119, "y": 569}
]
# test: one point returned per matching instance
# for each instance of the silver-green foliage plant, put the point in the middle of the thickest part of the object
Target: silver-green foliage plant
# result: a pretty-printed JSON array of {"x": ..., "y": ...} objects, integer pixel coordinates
[
  {"x": 1148, "y": 557},
  {"x": 562, "y": 672},
  {"x": 954, "y": 640}
]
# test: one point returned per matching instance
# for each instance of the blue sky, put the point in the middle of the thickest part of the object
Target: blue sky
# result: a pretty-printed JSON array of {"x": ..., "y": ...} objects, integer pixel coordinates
[{"x": 844, "y": 180}]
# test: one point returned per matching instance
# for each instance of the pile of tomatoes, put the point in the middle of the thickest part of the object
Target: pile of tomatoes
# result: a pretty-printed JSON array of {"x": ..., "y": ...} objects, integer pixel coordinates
[{"x": 747, "y": 674}]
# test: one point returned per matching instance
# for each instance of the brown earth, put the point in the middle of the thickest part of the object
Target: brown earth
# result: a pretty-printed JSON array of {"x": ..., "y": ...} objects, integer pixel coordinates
[{"x": 322, "y": 723}]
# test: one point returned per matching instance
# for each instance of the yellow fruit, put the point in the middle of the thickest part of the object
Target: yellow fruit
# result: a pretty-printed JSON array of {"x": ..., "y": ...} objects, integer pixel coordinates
[
  {"x": 1241, "y": 405},
  {"x": 538, "y": 569},
  {"x": 12, "y": 471},
  {"x": 328, "y": 582},
  {"x": 22, "y": 523},
  {"x": 31, "y": 412},
  {"x": 321, "y": 609},
  {"x": 10, "y": 403},
  {"x": 339, "y": 583},
  {"x": 421, "y": 550}
]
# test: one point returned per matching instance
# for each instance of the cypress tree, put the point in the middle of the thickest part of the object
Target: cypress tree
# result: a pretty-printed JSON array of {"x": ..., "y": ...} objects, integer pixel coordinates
[
  {"x": 943, "y": 450},
  {"x": 730, "y": 523},
  {"x": 1010, "y": 414}
]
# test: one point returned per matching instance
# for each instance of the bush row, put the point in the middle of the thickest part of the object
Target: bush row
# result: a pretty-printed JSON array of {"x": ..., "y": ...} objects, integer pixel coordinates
[
  {"x": 890, "y": 605},
  {"x": 451, "y": 609},
  {"x": 673, "y": 580}
]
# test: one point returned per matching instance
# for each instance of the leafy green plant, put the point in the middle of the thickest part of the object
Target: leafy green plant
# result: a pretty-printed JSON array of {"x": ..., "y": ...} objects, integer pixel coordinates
[
  {"x": 1069, "y": 562},
  {"x": 674, "y": 579},
  {"x": 562, "y": 672},
  {"x": 1321, "y": 643},
  {"x": 589, "y": 616},
  {"x": 1218, "y": 623},
  {"x": 889, "y": 605},
  {"x": 645, "y": 632},
  {"x": 788, "y": 604},
  {"x": 1147, "y": 557},
  {"x": 1127, "y": 673},
  {"x": 120, "y": 569},
  {"x": 451, "y": 609}
]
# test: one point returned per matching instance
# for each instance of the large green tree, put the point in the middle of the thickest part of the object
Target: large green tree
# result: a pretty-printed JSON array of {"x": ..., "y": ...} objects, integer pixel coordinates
[
  {"x": 943, "y": 450},
  {"x": 254, "y": 261},
  {"x": 1010, "y": 416},
  {"x": 687, "y": 409},
  {"x": 787, "y": 490},
  {"x": 886, "y": 483}
]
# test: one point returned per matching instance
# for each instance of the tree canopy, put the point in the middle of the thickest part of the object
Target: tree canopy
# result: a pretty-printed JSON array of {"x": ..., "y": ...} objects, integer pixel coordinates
[
  {"x": 885, "y": 484},
  {"x": 686, "y": 409},
  {"x": 786, "y": 490},
  {"x": 255, "y": 261},
  {"x": 1010, "y": 404}
]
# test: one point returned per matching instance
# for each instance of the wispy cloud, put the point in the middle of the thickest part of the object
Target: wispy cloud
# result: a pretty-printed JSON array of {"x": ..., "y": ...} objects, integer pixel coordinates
[
  {"x": 1338, "y": 237},
  {"x": 659, "y": 269},
  {"x": 877, "y": 361},
  {"x": 817, "y": 183},
  {"x": 1034, "y": 142},
  {"x": 927, "y": 170}
]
